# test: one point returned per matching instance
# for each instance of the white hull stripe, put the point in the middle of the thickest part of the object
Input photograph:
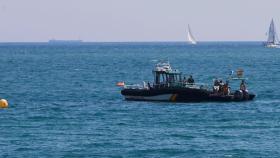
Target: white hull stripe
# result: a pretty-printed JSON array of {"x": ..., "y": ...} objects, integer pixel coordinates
[{"x": 163, "y": 97}]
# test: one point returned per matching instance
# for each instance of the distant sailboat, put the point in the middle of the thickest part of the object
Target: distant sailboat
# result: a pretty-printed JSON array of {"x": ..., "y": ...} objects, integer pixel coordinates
[
  {"x": 191, "y": 39},
  {"x": 272, "y": 41}
]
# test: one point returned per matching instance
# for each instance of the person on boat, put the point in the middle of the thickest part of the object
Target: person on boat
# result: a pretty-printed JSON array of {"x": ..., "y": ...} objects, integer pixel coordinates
[
  {"x": 190, "y": 80},
  {"x": 243, "y": 86},
  {"x": 243, "y": 90},
  {"x": 216, "y": 85},
  {"x": 184, "y": 80},
  {"x": 221, "y": 85},
  {"x": 226, "y": 90},
  {"x": 149, "y": 85}
]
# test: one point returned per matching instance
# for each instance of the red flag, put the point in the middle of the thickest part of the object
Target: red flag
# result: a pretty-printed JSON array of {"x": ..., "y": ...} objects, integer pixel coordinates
[{"x": 120, "y": 84}]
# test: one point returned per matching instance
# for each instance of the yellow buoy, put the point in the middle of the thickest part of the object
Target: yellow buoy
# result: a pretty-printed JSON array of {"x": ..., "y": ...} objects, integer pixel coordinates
[{"x": 3, "y": 103}]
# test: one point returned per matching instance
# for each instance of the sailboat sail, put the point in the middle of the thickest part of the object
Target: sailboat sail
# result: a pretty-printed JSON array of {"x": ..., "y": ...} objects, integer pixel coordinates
[
  {"x": 191, "y": 39},
  {"x": 272, "y": 40},
  {"x": 272, "y": 35}
]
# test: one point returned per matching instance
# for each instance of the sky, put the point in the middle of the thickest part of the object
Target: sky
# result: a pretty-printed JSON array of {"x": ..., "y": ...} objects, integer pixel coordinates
[{"x": 136, "y": 20}]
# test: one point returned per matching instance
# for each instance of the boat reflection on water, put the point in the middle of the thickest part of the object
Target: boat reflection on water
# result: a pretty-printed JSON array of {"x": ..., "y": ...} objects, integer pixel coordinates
[{"x": 170, "y": 85}]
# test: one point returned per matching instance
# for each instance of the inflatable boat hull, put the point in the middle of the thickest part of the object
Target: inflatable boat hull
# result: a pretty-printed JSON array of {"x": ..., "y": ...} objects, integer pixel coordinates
[{"x": 181, "y": 95}]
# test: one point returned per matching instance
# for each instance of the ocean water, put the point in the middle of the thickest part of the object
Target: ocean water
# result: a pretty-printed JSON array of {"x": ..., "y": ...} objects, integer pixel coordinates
[{"x": 64, "y": 102}]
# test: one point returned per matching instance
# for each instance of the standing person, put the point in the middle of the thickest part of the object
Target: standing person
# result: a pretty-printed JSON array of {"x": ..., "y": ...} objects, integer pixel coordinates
[
  {"x": 184, "y": 80},
  {"x": 243, "y": 86},
  {"x": 190, "y": 80},
  {"x": 149, "y": 85}
]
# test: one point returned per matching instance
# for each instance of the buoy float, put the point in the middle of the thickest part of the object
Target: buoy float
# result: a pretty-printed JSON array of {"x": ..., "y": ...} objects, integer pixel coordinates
[{"x": 3, "y": 103}]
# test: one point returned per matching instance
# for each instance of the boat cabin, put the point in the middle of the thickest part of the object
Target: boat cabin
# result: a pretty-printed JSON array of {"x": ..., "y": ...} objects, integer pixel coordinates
[{"x": 165, "y": 76}]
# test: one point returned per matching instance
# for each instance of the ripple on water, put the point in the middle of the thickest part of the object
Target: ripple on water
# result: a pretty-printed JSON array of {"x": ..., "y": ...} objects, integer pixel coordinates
[{"x": 64, "y": 102}]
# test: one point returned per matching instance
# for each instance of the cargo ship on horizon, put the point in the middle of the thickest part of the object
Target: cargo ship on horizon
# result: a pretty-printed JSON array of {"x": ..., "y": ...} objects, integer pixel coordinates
[{"x": 55, "y": 41}]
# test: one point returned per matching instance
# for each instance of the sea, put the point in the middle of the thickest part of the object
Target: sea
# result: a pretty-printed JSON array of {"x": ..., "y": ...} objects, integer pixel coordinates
[{"x": 64, "y": 102}]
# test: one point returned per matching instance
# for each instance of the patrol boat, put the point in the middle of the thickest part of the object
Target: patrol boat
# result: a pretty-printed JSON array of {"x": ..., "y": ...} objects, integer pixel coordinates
[{"x": 169, "y": 85}]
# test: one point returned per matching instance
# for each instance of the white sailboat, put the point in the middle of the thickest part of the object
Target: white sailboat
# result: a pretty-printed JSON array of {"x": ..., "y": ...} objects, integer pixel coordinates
[
  {"x": 191, "y": 39},
  {"x": 272, "y": 40}
]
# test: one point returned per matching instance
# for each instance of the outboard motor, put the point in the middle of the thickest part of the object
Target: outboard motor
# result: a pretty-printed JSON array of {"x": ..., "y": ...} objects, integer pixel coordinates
[
  {"x": 246, "y": 95},
  {"x": 241, "y": 95},
  {"x": 238, "y": 95}
]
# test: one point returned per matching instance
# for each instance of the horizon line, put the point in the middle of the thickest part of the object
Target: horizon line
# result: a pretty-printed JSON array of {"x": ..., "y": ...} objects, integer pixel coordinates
[{"x": 153, "y": 41}]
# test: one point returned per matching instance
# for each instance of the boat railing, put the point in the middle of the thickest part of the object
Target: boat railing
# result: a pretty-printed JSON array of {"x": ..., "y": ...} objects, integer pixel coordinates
[
  {"x": 184, "y": 85},
  {"x": 176, "y": 84},
  {"x": 134, "y": 86},
  {"x": 197, "y": 85}
]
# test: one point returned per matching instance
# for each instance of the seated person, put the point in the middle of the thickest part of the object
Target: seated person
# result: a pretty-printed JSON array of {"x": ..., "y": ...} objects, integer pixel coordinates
[
  {"x": 226, "y": 90},
  {"x": 221, "y": 85},
  {"x": 216, "y": 85},
  {"x": 190, "y": 80}
]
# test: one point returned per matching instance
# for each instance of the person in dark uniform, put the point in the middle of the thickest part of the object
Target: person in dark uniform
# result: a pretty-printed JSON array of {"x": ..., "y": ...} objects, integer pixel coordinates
[
  {"x": 190, "y": 80},
  {"x": 243, "y": 86}
]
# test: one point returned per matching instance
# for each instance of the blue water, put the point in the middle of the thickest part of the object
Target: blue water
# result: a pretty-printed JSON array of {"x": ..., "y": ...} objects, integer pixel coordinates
[{"x": 64, "y": 102}]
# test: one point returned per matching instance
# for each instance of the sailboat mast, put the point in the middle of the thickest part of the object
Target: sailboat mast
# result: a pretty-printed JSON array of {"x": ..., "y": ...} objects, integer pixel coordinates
[{"x": 273, "y": 31}]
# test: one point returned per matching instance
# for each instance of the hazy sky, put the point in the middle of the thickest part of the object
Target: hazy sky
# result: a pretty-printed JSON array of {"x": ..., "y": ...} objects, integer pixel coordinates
[{"x": 141, "y": 20}]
